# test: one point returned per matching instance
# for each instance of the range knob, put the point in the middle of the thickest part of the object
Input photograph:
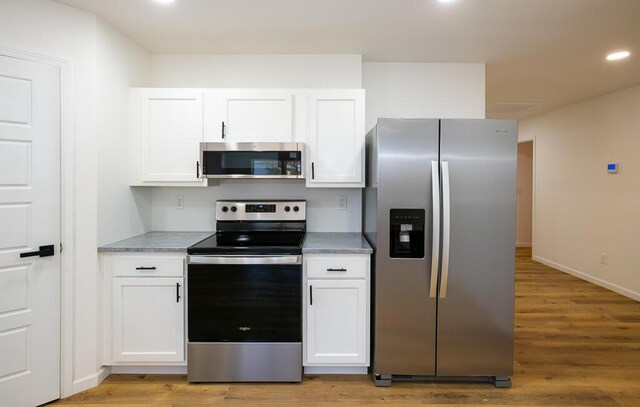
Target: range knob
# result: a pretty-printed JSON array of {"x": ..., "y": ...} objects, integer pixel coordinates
[
  {"x": 233, "y": 209},
  {"x": 296, "y": 209},
  {"x": 287, "y": 208},
  {"x": 225, "y": 209}
]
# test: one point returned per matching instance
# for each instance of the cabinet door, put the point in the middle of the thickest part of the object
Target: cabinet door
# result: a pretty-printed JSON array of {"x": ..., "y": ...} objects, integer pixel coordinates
[
  {"x": 171, "y": 131},
  {"x": 336, "y": 139},
  {"x": 148, "y": 319},
  {"x": 248, "y": 116},
  {"x": 336, "y": 321}
]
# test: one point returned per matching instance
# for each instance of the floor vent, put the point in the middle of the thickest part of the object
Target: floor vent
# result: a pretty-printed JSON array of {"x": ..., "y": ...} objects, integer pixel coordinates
[{"x": 511, "y": 108}]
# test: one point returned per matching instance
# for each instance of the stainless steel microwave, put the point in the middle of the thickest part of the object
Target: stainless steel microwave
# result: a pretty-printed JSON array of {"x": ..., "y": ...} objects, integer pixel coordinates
[{"x": 252, "y": 160}]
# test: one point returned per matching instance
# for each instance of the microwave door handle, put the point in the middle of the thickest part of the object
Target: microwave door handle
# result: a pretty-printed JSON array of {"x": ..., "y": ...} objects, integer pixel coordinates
[{"x": 435, "y": 240}]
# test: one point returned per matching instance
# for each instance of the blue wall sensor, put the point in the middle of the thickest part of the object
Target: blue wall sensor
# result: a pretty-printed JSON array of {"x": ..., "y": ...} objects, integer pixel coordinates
[{"x": 612, "y": 168}]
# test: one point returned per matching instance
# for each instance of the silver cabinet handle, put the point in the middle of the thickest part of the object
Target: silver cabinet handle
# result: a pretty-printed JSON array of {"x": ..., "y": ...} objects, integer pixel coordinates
[
  {"x": 435, "y": 241},
  {"x": 446, "y": 228},
  {"x": 244, "y": 260}
]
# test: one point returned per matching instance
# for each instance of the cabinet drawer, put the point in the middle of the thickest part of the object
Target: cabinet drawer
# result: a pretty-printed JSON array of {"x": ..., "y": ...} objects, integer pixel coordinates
[
  {"x": 336, "y": 266},
  {"x": 148, "y": 266}
]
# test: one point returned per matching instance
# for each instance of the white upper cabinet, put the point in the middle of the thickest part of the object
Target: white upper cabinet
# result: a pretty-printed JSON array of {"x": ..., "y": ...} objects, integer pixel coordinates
[
  {"x": 170, "y": 131},
  {"x": 236, "y": 116},
  {"x": 335, "y": 138},
  {"x": 169, "y": 124}
]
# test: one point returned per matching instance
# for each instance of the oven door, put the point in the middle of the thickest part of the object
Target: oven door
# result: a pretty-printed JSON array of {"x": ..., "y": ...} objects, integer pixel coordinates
[
  {"x": 244, "y": 298},
  {"x": 252, "y": 160}
]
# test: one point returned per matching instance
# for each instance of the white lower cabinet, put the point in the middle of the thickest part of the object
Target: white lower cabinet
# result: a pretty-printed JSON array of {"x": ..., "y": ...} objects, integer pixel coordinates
[
  {"x": 336, "y": 332},
  {"x": 143, "y": 309},
  {"x": 337, "y": 321},
  {"x": 148, "y": 319}
]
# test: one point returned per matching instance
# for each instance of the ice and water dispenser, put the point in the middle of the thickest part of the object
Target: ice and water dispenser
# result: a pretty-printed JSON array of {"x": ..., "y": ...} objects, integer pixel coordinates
[{"x": 407, "y": 233}]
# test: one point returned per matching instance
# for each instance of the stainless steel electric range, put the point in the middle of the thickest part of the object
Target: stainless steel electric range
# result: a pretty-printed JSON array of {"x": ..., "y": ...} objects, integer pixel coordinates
[{"x": 244, "y": 302}]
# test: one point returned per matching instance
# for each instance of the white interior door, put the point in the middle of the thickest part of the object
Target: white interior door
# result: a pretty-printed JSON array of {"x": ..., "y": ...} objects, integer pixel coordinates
[{"x": 29, "y": 218}]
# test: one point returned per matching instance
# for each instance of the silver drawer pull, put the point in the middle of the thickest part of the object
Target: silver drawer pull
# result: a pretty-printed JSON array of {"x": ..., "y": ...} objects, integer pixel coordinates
[
  {"x": 336, "y": 269},
  {"x": 146, "y": 268}
]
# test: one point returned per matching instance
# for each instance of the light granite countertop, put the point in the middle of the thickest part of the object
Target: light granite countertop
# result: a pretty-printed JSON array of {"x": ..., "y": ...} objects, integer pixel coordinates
[
  {"x": 314, "y": 242},
  {"x": 327, "y": 242},
  {"x": 157, "y": 242}
]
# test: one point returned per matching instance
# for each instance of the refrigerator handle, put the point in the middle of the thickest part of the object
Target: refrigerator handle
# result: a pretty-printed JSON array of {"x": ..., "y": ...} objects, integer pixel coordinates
[
  {"x": 435, "y": 241},
  {"x": 446, "y": 228}
]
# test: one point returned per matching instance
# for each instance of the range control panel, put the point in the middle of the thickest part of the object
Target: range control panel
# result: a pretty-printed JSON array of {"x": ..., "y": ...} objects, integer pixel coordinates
[
  {"x": 261, "y": 210},
  {"x": 258, "y": 208}
]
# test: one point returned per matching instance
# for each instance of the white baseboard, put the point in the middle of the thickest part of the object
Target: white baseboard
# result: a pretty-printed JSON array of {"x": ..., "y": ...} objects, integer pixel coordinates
[
  {"x": 335, "y": 370},
  {"x": 523, "y": 244},
  {"x": 149, "y": 369},
  {"x": 91, "y": 381},
  {"x": 597, "y": 281}
]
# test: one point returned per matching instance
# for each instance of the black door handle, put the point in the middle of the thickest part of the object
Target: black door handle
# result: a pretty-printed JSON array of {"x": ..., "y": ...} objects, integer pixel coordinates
[
  {"x": 198, "y": 169},
  {"x": 313, "y": 170},
  {"x": 177, "y": 292},
  {"x": 45, "y": 251},
  {"x": 223, "y": 130},
  {"x": 146, "y": 268},
  {"x": 310, "y": 295},
  {"x": 342, "y": 269}
]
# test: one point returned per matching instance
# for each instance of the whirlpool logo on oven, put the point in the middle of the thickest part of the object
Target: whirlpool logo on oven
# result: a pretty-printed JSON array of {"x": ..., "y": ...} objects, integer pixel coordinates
[{"x": 244, "y": 328}]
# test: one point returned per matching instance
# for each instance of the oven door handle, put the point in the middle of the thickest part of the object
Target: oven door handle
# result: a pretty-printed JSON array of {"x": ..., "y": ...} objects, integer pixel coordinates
[{"x": 244, "y": 260}]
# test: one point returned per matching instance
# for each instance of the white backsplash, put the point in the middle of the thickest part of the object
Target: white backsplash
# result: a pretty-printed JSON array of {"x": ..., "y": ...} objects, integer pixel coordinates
[{"x": 323, "y": 214}]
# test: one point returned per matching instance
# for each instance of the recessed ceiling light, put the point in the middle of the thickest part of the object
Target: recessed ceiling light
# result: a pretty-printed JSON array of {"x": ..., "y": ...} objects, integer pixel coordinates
[
  {"x": 618, "y": 55},
  {"x": 446, "y": 1},
  {"x": 165, "y": 1}
]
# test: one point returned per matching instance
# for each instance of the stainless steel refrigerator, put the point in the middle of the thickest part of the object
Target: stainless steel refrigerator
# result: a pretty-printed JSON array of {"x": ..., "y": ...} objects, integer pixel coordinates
[{"x": 439, "y": 210}]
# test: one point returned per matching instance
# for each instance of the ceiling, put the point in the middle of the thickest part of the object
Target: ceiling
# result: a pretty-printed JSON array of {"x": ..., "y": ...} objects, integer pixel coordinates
[{"x": 543, "y": 53}]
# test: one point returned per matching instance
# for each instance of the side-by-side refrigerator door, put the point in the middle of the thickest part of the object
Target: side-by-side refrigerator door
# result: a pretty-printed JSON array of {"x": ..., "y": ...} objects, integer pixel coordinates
[
  {"x": 405, "y": 285},
  {"x": 476, "y": 295}
]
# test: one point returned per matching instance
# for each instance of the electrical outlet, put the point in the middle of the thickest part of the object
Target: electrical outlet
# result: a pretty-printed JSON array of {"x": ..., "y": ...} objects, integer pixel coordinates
[
  {"x": 604, "y": 258},
  {"x": 342, "y": 202},
  {"x": 180, "y": 201}
]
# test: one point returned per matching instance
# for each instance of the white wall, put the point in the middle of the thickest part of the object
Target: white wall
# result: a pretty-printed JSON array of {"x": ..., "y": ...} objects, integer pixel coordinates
[
  {"x": 393, "y": 90},
  {"x": 257, "y": 71},
  {"x": 581, "y": 211},
  {"x": 54, "y": 30},
  {"x": 120, "y": 64},
  {"x": 524, "y": 199},
  {"x": 411, "y": 90},
  {"x": 198, "y": 213}
]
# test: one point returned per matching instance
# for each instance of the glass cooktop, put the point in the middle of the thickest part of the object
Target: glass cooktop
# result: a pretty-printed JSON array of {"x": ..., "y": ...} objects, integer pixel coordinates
[{"x": 250, "y": 243}]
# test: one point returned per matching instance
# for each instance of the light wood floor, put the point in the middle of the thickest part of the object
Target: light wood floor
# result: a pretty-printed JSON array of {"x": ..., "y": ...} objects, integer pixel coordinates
[{"x": 576, "y": 345}]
